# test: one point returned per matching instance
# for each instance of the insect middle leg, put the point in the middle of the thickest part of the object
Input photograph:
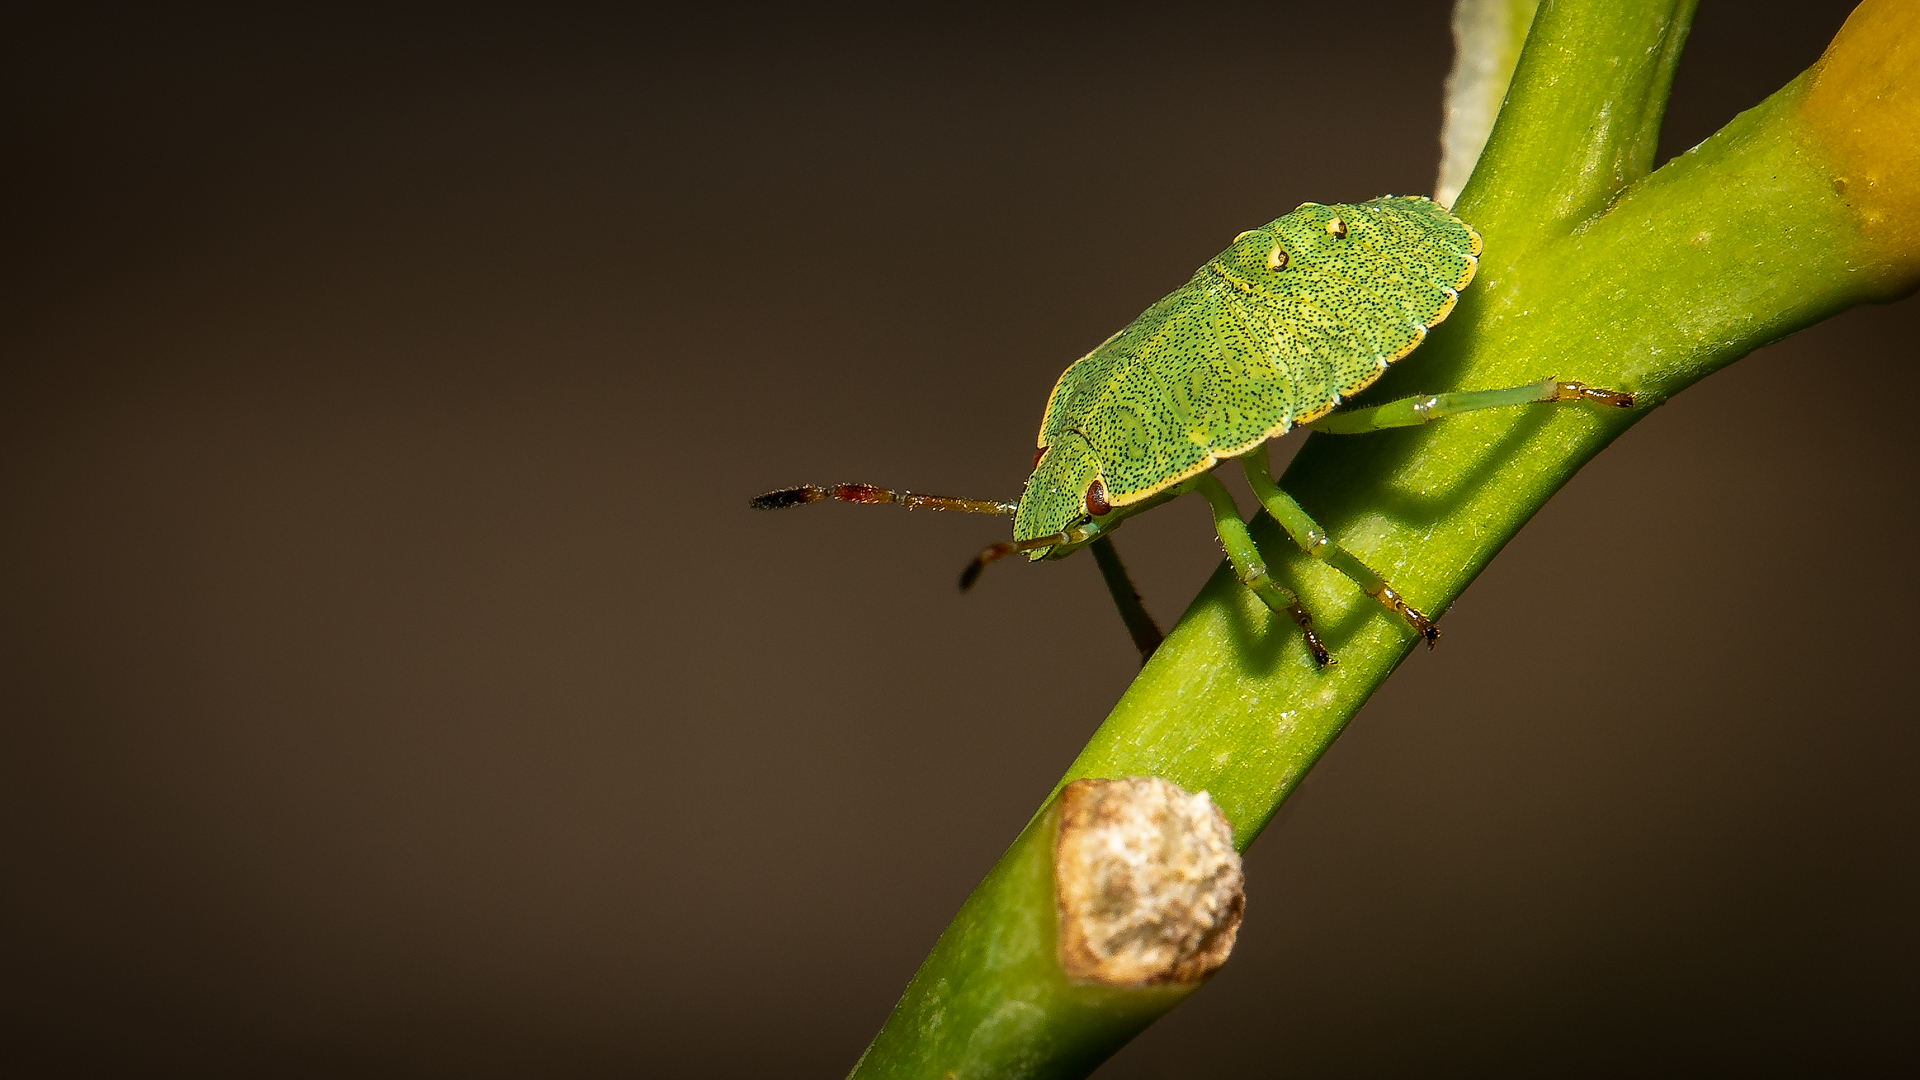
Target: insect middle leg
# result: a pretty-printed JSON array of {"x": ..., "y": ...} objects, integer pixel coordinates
[
  {"x": 1314, "y": 540},
  {"x": 1409, "y": 412},
  {"x": 1250, "y": 568}
]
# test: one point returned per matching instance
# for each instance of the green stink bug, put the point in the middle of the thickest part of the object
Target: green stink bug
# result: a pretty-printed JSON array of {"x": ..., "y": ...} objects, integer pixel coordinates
[{"x": 1270, "y": 334}]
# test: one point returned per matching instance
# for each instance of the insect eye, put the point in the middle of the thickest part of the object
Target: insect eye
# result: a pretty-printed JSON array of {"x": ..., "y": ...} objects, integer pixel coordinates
[
  {"x": 1097, "y": 503},
  {"x": 1277, "y": 259},
  {"x": 1337, "y": 229}
]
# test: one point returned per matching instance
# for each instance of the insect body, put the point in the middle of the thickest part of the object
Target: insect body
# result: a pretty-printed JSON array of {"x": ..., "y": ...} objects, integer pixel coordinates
[{"x": 1270, "y": 334}]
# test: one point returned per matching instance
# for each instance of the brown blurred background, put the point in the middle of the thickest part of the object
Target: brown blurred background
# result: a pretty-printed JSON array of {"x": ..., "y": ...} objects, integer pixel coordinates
[{"x": 397, "y": 684}]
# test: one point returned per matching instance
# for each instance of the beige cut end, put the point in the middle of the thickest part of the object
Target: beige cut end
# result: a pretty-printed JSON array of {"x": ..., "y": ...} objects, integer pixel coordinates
[
  {"x": 1148, "y": 883},
  {"x": 1487, "y": 38}
]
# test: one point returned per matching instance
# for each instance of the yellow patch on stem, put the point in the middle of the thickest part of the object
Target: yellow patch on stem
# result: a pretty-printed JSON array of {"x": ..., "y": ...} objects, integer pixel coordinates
[{"x": 1863, "y": 109}]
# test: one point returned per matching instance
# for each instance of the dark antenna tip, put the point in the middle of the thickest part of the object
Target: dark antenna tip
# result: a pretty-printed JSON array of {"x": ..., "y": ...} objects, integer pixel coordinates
[
  {"x": 971, "y": 574},
  {"x": 785, "y": 497}
]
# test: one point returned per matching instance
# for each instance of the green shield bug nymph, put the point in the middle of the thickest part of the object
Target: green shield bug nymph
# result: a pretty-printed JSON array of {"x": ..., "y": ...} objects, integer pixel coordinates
[{"x": 1270, "y": 334}]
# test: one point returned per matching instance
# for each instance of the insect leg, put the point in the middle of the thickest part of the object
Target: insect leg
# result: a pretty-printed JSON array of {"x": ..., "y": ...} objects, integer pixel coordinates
[
  {"x": 1140, "y": 625},
  {"x": 1250, "y": 568},
  {"x": 1314, "y": 541},
  {"x": 996, "y": 552},
  {"x": 867, "y": 493},
  {"x": 1409, "y": 412},
  {"x": 1079, "y": 534}
]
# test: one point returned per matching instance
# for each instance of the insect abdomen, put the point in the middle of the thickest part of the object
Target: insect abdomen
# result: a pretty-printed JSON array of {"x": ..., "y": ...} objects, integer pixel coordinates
[{"x": 1258, "y": 340}]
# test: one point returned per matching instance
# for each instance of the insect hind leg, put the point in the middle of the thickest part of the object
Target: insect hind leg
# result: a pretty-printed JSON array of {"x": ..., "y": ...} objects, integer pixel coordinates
[
  {"x": 1251, "y": 569},
  {"x": 1413, "y": 411},
  {"x": 1314, "y": 540}
]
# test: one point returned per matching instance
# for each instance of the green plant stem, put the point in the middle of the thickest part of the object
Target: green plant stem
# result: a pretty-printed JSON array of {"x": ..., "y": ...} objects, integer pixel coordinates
[
  {"x": 1734, "y": 245},
  {"x": 1580, "y": 123},
  {"x": 991, "y": 1001},
  {"x": 1596, "y": 271}
]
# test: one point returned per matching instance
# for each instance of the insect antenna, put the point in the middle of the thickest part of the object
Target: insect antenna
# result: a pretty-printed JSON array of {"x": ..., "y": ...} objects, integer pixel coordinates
[
  {"x": 866, "y": 493},
  {"x": 1000, "y": 551}
]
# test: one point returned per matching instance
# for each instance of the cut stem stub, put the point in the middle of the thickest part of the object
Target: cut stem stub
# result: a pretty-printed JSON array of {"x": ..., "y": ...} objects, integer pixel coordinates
[
  {"x": 1148, "y": 883},
  {"x": 1118, "y": 900}
]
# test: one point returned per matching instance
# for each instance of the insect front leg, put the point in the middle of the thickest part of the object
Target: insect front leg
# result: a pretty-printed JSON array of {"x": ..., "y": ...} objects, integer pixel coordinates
[
  {"x": 1140, "y": 625},
  {"x": 1250, "y": 568},
  {"x": 1314, "y": 540},
  {"x": 1413, "y": 411}
]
